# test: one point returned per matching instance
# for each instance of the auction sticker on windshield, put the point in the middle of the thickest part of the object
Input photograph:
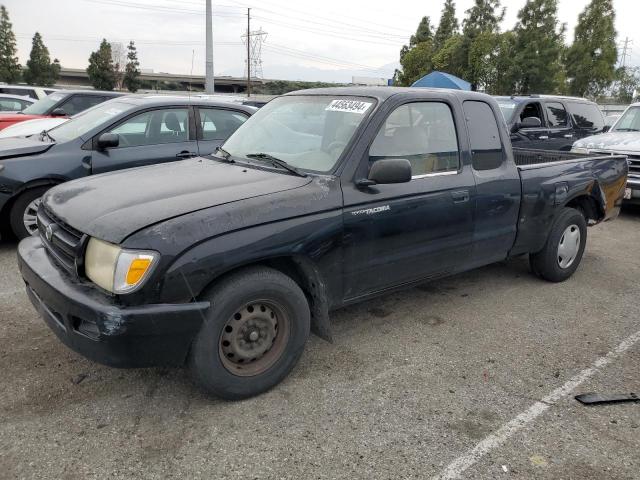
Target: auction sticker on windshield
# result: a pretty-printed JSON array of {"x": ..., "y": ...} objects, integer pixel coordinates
[{"x": 350, "y": 106}]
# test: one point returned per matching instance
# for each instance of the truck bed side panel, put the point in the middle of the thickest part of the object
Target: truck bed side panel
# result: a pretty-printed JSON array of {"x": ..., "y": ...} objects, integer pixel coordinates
[{"x": 547, "y": 187}]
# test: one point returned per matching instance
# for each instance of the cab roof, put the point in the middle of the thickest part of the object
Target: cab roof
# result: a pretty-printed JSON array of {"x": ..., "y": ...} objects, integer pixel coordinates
[{"x": 383, "y": 93}]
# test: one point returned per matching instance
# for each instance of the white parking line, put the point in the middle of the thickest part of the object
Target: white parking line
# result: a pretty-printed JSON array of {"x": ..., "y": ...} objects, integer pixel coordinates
[{"x": 456, "y": 468}]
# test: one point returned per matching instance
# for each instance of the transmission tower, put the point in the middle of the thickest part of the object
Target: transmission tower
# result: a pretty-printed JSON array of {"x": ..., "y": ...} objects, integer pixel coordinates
[
  {"x": 256, "y": 39},
  {"x": 626, "y": 52}
]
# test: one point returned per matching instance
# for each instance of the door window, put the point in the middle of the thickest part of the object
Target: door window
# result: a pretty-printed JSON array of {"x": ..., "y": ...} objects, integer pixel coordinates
[
  {"x": 424, "y": 133},
  {"x": 484, "y": 136},
  {"x": 80, "y": 103},
  {"x": 557, "y": 115},
  {"x": 532, "y": 110},
  {"x": 218, "y": 124},
  {"x": 154, "y": 127},
  {"x": 11, "y": 105},
  {"x": 586, "y": 115}
]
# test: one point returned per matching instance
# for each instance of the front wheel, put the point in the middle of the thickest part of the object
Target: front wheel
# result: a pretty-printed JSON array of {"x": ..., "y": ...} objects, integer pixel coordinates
[
  {"x": 563, "y": 251},
  {"x": 23, "y": 215},
  {"x": 253, "y": 336}
]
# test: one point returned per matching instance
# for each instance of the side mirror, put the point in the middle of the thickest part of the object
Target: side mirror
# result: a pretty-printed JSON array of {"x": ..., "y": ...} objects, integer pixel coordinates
[
  {"x": 530, "y": 122},
  {"x": 388, "y": 170},
  {"x": 58, "y": 112},
  {"x": 108, "y": 140},
  {"x": 606, "y": 128}
]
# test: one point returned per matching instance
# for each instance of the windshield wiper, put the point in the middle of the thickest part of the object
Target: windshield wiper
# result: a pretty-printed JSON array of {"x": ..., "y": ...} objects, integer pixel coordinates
[
  {"x": 626, "y": 130},
  {"x": 226, "y": 156},
  {"x": 44, "y": 134},
  {"x": 275, "y": 161}
]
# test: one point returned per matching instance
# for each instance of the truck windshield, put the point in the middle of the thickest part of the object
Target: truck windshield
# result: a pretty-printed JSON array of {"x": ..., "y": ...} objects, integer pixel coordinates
[
  {"x": 629, "y": 121},
  {"x": 88, "y": 120},
  {"x": 308, "y": 132},
  {"x": 507, "y": 107},
  {"x": 43, "y": 106}
]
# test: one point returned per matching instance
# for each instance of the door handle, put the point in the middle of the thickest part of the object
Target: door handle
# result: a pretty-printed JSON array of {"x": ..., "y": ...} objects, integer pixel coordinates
[
  {"x": 543, "y": 137},
  {"x": 460, "y": 196},
  {"x": 569, "y": 135},
  {"x": 186, "y": 154}
]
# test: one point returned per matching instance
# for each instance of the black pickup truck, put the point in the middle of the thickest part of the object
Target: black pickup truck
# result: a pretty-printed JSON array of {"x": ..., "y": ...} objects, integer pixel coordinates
[{"x": 323, "y": 198}]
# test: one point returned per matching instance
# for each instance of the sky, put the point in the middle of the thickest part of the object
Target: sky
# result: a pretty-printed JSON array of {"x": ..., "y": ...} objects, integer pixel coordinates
[{"x": 331, "y": 40}]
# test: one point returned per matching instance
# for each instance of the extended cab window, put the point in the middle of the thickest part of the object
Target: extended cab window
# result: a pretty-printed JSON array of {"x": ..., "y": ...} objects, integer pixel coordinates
[
  {"x": 586, "y": 115},
  {"x": 218, "y": 124},
  {"x": 557, "y": 115},
  {"x": 424, "y": 134},
  {"x": 154, "y": 127},
  {"x": 484, "y": 136}
]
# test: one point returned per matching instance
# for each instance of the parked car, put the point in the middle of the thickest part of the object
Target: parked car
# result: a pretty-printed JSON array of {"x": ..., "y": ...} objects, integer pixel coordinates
[
  {"x": 323, "y": 198},
  {"x": 13, "y": 103},
  {"x": 59, "y": 104},
  {"x": 547, "y": 122},
  {"x": 622, "y": 139},
  {"x": 32, "y": 127},
  {"x": 122, "y": 133},
  {"x": 36, "y": 93}
]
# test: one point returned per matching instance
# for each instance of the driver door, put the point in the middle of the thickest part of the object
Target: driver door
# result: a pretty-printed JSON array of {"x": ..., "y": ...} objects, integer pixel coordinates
[{"x": 154, "y": 136}]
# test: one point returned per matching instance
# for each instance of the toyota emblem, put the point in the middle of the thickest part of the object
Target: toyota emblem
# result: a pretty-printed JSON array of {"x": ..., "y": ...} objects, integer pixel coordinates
[{"x": 48, "y": 233}]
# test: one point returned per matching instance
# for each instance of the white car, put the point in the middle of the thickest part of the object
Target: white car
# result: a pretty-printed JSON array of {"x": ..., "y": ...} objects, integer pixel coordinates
[
  {"x": 31, "y": 127},
  {"x": 37, "y": 93},
  {"x": 623, "y": 138},
  {"x": 14, "y": 103}
]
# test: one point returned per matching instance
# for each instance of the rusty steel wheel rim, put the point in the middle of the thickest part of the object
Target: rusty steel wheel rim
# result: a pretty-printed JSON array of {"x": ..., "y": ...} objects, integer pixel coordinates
[{"x": 254, "y": 338}]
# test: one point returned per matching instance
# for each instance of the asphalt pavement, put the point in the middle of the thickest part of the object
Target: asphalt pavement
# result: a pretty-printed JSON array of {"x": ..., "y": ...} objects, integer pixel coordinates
[{"x": 469, "y": 377}]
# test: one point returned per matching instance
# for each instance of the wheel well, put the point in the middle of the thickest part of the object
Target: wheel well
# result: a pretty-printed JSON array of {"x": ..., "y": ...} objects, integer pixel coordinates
[
  {"x": 308, "y": 278},
  {"x": 588, "y": 206},
  {"x": 4, "y": 214}
]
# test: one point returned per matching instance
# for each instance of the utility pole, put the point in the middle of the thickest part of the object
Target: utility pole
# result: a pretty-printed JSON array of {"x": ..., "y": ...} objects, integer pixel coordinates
[
  {"x": 626, "y": 50},
  {"x": 248, "y": 52},
  {"x": 209, "y": 82}
]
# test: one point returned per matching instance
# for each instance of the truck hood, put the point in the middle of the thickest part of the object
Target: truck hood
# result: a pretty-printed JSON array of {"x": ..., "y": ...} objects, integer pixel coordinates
[
  {"x": 628, "y": 142},
  {"x": 20, "y": 147},
  {"x": 115, "y": 205}
]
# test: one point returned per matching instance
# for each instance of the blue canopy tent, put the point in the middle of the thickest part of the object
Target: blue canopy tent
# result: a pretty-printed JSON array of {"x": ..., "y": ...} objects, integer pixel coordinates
[{"x": 442, "y": 80}]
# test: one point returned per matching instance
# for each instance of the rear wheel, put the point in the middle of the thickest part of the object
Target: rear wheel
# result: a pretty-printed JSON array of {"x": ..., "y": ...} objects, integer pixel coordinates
[
  {"x": 563, "y": 251},
  {"x": 254, "y": 335},
  {"x": 23, "y": 215}
]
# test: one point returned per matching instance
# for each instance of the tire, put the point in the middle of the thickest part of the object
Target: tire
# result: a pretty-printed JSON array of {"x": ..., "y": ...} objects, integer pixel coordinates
[
  {"x": 254, "y": 312},
  {"x": 563, "y": 251},
  {"x": 19, "y": 209}
]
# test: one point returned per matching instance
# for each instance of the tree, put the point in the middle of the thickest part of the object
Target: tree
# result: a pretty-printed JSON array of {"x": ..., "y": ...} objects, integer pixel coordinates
[
  {"x": 448, "y": 26},
  {"x": 132, "y": 71},
  {"x": 100, "y": 70},
  {"x": 627, "y": 84},
  {"x": 592, "y": 57},
  {"x": 481, "y": 26},
  {"x": 119, "y": 59},
  {"x": 40, "y": 70},
  {"x": 539, "y": 45},
  {"x": 419, "y": 61},
  {"x": 10, "y": 68}
]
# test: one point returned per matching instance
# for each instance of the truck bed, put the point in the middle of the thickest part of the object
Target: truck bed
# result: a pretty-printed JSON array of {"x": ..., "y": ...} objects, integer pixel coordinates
[{"x": 553, "y": 178}]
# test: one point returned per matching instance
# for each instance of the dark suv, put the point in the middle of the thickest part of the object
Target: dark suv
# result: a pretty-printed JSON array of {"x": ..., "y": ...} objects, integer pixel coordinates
[{"x": 547, "y": 122}]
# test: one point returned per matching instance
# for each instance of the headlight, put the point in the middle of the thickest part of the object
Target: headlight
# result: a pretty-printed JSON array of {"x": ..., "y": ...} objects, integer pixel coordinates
[
  {"x": 581, "y": 150},
  {"x": 115, "y": 269}
]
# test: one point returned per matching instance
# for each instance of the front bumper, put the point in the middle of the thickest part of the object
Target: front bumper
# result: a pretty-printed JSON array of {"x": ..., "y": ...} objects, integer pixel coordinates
[
  {"x": 634, "y": 184},
  {"x": 94, "y": 325}
]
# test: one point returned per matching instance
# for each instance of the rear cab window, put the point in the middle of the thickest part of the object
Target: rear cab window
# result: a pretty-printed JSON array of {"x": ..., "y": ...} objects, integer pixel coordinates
[
  {"x": 487, "y": 152},
  {"x": 586, "y": 116}
]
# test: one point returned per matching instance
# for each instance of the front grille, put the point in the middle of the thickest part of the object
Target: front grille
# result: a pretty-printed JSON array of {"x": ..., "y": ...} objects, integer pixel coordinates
[
  {"x": 64, "y": 243},
  {"x": 634, "y": 165}
]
